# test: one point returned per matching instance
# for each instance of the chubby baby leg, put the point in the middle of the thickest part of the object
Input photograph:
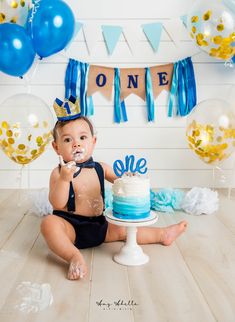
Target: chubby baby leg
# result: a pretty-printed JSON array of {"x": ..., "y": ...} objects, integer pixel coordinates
[
  {"x": 115, "y": 233},
  {"x": 170, "y": 233},
  {"x": 60, "y": 236},
  {"x": 163, "y": 235}
]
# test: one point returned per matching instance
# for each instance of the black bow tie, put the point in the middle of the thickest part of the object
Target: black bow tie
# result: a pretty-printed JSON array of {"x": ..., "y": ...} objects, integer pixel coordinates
[
  {"x": 90, "y": 163},
  {"x": 87, "y": 164}
]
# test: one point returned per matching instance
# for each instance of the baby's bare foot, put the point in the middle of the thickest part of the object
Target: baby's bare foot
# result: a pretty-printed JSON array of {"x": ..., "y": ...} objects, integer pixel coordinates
[
  {"x": 77, "y": 268},
  {"x": 170, "y": 233}
]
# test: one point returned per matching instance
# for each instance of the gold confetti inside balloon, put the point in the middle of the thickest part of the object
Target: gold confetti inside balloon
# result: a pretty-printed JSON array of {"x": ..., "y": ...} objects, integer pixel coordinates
[
  {"x": 15, "y": 11},
  {"x": 25, "y": 127},
  {"x": 211, "y": 25},
  {"x": 211, "y": 131}
]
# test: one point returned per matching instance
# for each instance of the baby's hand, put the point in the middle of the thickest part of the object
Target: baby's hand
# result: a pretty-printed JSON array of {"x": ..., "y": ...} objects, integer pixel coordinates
[
  {"x": 67, "y": 169},
  {"x": 77, "y": 270}
]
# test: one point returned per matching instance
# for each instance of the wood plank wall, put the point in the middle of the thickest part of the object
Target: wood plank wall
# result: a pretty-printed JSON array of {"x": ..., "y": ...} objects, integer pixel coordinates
[{"x": 162, "y": 143}]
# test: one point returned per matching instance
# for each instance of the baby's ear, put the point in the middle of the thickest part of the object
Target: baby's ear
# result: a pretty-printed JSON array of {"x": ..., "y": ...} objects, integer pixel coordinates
[
  {"x": 55, "y": 147},
  {"x": 94, "y": 139}
]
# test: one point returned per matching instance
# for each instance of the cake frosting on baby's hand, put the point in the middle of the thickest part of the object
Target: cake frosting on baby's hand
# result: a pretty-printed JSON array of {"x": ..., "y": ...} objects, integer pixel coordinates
[{"x": 67, "y": 170}]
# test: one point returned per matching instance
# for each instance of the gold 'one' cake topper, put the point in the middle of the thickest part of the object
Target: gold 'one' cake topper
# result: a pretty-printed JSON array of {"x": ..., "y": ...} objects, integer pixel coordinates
[{"x": 67, "y": 110}]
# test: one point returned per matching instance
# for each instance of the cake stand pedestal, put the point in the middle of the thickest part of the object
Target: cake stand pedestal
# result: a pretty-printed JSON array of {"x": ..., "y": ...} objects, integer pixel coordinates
[{"x": 131, "y": 254}]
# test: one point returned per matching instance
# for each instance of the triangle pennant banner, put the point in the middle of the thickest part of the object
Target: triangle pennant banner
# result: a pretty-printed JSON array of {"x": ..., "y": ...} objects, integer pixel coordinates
[
  {"x": 230, "y": 4},
  {"x": 78, "y": 27},
  {"x": 111, "y": 36},
  {"x": 153, "y": 33},
  {"x": 91, "y": 34},
  {"x": 129, "y": 33},
  {"x": 171, "y": 26},
  {"x": 184, "y": 19}
]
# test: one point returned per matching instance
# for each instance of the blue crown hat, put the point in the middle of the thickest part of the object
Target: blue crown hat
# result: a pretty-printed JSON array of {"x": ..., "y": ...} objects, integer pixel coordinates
[{"x": 67, "y": 110}]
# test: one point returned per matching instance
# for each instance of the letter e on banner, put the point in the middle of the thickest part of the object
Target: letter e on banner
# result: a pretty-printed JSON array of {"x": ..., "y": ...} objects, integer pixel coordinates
[{"x": 161, "y": 78}]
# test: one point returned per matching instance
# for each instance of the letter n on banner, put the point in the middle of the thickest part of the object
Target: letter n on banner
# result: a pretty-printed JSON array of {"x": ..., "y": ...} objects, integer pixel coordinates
[
  {"x": 132, "y": 82},
  {"x": 100, "y": 79},
  {"x": 161, "y": 78}
]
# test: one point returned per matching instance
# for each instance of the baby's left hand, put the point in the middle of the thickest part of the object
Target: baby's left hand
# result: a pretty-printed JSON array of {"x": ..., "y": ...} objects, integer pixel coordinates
[{"x": 67, "y": 169}]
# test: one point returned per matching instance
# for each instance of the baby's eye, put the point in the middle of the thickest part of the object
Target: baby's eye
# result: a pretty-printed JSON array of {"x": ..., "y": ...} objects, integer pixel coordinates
[
  {"x": 67, "y": 140},
  {"x": 83, "y": 137}
]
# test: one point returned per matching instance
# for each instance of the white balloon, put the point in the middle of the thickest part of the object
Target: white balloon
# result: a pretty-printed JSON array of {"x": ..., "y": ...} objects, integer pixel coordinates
[
  {"x": 14, "y": 11},
  {"x": 211, "y": 25},
  {"x": 230, "y": 4}
]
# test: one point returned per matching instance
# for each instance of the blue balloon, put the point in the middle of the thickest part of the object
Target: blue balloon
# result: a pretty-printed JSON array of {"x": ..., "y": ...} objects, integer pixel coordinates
[
  {"x": 233, "y": 59},
  {"x": 16, "y": 50},
  {"x": 51, "y": 25}
]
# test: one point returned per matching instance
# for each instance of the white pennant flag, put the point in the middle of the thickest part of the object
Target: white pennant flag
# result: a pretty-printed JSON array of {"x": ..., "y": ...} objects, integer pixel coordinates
[
  {"x": 176, "y": 30},
  {"x": 130, "y": 34},
  {"x": 92, "y": 34}
]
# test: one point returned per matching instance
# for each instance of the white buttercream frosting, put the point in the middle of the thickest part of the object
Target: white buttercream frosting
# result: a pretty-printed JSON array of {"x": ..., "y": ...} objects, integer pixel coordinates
[{"x": 131, "y": 186}]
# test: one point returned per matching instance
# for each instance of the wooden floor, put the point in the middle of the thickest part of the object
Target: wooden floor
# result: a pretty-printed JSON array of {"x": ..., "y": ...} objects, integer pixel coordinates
[{"x": 190, "y": 281}]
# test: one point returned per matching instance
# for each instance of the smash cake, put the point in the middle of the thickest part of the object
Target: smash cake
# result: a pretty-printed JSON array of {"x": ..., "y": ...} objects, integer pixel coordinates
[{"x": 131, "y": 197}]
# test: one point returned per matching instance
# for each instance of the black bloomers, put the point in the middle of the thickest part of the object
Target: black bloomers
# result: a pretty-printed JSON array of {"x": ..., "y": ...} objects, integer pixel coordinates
[{"x": 90, "y": 231}]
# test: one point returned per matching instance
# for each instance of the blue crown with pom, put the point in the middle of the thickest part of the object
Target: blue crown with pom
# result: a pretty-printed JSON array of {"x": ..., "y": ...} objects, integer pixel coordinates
[{"x": 67, "y": 110}]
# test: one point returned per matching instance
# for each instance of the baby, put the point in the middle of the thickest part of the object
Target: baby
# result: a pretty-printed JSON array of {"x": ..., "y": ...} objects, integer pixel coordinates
[{"x": 77, "y": 196}]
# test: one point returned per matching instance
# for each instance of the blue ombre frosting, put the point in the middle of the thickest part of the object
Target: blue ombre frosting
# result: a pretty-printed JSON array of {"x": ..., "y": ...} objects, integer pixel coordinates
[
  {"x": 131, "y": 207},
  {"x": 131, "y": 198}
]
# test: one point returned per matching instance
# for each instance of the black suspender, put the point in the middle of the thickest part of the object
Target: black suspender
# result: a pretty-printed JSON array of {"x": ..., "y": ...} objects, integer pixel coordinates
[{"x": 71, "y": 201}]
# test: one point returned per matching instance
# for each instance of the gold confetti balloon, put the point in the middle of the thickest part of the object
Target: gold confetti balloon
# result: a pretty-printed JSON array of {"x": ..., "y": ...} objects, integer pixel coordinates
[
  {"x": 25, "y": 127},
  {"x": 15, "y": 11},
  {"x": 211, "y": 24},
  {"x": 210, "y": 131}
]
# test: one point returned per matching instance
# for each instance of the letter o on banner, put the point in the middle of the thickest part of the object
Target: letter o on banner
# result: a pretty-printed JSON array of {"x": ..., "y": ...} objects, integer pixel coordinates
[{"x": 101, "y": 80}]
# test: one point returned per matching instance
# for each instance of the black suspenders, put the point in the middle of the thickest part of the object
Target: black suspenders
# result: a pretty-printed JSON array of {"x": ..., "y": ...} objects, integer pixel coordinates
[{"x": 71, "y": 201}]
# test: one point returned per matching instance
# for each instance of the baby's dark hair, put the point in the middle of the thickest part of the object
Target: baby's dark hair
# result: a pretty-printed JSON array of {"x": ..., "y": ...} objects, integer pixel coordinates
[{"x": 60, "y": 124}]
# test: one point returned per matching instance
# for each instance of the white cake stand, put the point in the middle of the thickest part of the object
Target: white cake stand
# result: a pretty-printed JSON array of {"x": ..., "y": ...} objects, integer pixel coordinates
[{"x": 131, "y": 253}]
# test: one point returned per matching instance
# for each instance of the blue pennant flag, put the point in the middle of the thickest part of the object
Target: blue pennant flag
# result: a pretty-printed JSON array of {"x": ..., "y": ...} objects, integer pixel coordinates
[
  {"x": 184, "y": 19},
  {"x": 78, "y": 26},
  {"x": 153, "y": 33},
  {"x": 230, "y": 4},
  {"x": 111, "y": 36}
]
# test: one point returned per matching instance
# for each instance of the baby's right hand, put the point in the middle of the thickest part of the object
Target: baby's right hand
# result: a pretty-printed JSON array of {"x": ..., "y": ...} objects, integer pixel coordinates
[{"x": 67, "y": 170}]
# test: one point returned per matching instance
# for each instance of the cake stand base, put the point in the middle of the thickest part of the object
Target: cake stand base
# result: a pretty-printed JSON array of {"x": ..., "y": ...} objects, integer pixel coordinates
[{"x": 131, "y": 254}]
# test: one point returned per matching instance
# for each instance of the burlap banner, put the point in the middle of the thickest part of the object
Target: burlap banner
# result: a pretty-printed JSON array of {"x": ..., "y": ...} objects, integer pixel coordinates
[
  {"x": 100, "y": 79},
  {"x": 83, "y": 80},
  {"x": 132, "y": 81}
]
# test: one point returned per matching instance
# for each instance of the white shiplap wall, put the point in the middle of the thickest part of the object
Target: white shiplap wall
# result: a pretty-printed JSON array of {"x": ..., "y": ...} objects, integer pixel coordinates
[{"x": 162, "y": 143}]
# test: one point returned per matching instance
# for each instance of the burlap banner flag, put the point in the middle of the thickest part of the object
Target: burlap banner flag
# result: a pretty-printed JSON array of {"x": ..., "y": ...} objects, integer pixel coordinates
[
  {"x": 161, "y": 78},
  {"x": 100, "y": 79},
  {"x": 83, "y": 80},
  {"x": 132, "y": 80}
]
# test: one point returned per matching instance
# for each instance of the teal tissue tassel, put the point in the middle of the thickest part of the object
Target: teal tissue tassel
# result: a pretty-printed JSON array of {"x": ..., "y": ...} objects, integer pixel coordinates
[
  {"x": 108, "y": 198},
  {"x": 166, "y": 200}
]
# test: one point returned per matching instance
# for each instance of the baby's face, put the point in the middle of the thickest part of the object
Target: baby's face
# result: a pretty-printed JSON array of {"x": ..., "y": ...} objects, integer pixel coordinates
[{"x": 75, "y": 141}]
